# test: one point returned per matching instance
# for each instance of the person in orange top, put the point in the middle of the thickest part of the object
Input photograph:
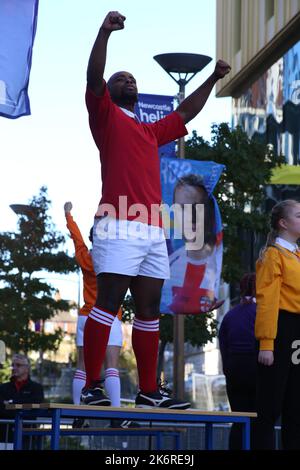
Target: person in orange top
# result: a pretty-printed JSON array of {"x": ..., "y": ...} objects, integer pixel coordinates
[
  {"x": 112, "y": 380},
  {"x": 277, "y": 328}
]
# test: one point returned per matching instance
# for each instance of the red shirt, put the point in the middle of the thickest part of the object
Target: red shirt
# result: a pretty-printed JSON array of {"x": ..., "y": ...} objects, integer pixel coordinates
[
  {"x": 19, "y": 383},
  {"x": 129, "y": 154}
]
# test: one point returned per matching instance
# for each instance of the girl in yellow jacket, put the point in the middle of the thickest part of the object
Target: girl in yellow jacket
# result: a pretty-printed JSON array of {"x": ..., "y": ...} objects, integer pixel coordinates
[{"x": 277, "y": 328}]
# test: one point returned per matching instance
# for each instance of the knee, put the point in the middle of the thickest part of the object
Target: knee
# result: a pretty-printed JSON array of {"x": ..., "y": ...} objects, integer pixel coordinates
[
  {"x": 153, "y": 311},
  {"x": 149, "y": 313},
  {"x": 108, "y": 303}
]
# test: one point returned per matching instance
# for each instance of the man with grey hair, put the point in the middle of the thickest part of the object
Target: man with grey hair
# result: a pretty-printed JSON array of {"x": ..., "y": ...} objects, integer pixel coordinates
[{"x": 20, "y": 388}]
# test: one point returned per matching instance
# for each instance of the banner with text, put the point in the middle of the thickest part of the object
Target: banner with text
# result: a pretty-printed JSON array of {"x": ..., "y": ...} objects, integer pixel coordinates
[{"x": 151, "y": 108}]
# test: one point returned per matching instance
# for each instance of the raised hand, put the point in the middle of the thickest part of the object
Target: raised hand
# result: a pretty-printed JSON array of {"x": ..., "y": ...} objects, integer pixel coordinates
[
  {"x": 221, "y": 69},
  {"x": 113, "y": 21},
  {"x": 68, "y": 207}
]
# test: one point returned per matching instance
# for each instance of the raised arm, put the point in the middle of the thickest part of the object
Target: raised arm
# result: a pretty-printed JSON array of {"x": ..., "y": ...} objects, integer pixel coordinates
[
  {"x": 82, "y": 253},
  {"x": 113, "y": 21},
  {"x": 194, "y": 103}
]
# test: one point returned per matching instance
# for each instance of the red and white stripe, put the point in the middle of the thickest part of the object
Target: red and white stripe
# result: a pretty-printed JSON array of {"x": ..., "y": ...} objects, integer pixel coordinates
[
  {"x": 149, "y": 326},
  {"x": 80, "y": 375},
  {"x": 111, "y": 373},
  {"x": 101, "y": 316}
]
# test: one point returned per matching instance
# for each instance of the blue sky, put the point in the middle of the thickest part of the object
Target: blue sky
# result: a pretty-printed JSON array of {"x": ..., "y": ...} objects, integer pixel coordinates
[{"x": 53, "y": 146}]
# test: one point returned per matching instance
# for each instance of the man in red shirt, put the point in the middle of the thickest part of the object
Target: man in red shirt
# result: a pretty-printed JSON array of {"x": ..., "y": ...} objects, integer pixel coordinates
[{"x": 129, "y": 247}]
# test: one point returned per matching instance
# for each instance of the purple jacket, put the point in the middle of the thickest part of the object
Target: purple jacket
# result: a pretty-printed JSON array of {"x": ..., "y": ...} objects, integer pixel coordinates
[{"x": 236, "y": 334}]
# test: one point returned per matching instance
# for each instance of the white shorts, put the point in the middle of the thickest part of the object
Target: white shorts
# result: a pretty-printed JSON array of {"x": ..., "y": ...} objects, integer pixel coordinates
[
  {"x": 130, "y": 248},
  {"x": 115, "y": 336}
]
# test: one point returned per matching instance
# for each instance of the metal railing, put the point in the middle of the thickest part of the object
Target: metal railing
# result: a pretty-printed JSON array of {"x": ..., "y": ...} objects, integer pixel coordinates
[{"x": 193, "y": 439}]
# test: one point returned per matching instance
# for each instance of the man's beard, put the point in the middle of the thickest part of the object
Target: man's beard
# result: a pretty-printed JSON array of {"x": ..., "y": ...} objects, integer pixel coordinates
[{"x": 128, "y": 98}]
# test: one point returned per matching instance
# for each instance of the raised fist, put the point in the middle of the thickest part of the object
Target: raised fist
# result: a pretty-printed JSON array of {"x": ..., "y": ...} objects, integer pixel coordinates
[
  {"x": 113, "y": 21},
  {"x": 222, "y": 69},
  {"x": 68, "y": 207},
  {"x": 266, "y": 358}
]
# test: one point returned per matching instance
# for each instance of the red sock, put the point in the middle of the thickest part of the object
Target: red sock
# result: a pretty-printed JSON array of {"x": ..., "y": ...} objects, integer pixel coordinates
[
  {"x": 145, "y": 339},
  {"x": 95, "y": 339}
]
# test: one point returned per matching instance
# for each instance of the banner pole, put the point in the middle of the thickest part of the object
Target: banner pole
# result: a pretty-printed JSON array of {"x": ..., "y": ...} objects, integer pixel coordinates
[{"x": 178, "y": 324}]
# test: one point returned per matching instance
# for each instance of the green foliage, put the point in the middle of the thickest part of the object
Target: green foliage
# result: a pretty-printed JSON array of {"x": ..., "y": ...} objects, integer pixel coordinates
[
  {"x": 5, "y": 372},
  {"x": 25, "y": 298},
  {"x": 240, "y": 191},
  {"x": 128, "y": 309}
]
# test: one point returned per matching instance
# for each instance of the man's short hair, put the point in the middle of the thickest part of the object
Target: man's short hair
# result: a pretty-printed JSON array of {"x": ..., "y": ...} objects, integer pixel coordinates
[
  {"x": 91, "y": 234},
  {"x": 21, "y": 357}
]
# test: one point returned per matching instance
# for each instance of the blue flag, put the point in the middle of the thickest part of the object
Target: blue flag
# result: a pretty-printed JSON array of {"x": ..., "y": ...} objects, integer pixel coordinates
[
  {"x": 151, "y": 108},
  {"x": 18, "y": 20},
  {"x": 195, "y": 269}
]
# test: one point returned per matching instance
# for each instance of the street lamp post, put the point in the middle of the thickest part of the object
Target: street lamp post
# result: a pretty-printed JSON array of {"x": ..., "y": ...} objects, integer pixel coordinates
[
  {"x": 185, "y": 66},
  {"x": 23, "y": 209}
]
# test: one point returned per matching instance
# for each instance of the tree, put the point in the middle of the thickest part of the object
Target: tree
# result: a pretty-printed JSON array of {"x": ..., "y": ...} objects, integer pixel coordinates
[{"x": 25, "y": 298}]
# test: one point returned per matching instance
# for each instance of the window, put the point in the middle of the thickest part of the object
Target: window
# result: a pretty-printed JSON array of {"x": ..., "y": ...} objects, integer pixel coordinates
[
  {"x": 270, "y": 9},
  {"x": 238, "y": 25}
]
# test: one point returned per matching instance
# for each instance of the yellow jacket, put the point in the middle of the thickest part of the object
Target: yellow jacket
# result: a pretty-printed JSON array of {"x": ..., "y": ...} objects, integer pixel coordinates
[{"x": 277, "y": 288}]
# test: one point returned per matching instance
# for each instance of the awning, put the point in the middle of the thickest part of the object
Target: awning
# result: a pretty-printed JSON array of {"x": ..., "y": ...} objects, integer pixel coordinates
[{"x": 286, "y": 174}]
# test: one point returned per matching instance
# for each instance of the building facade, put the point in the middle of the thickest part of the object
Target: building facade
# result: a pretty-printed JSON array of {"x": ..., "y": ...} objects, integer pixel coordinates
[
  {"x": 252, "y": 35},
  {"x": 261, "y": 40}
]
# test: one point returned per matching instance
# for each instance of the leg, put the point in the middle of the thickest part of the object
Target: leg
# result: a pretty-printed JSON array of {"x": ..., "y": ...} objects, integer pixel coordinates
[
  {"x": 112, "y": 379},
  {"x": 241, "y": 391},
  {"x": 80, "y": 358},
  {"x": 291, "y": 411},
  {"x": 18, "y": 436},
  {"x": 111, "y": 290},
  {"x": 146, "y": 293},
  {"x": 291, "y": 407},
  {"x": 271, "y": 387},
  {"x": 55, "y": 433},
  {"x": 246, "y": 435},
  {"x": 208, "y": 436},
  {"x": 80, "y": 375},
  {"x": 112, "y": 356}
]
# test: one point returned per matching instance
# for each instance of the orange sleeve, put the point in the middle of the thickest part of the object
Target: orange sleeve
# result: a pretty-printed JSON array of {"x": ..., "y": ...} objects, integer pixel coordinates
[
  {"x": 268, "y": 285},
  {"x": 119, "y": 314},
  {"x": 82, "y": 253}
]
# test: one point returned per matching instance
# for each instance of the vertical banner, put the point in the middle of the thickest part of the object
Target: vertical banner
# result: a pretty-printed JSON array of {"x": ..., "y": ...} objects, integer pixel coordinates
[
  {"x": 195, "y": 258},
  {"x": 151, "y": 108},
  {"x": 18, "y": 19}
]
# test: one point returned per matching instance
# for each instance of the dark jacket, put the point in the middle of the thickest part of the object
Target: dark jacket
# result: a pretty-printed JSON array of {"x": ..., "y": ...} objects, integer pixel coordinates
[
  {"x": 30, "y": 392},
  {"x": 236, "y": 335}
]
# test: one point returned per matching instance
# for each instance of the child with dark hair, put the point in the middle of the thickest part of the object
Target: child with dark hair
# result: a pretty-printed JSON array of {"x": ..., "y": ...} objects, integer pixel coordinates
[{"x": 239, "y": 356}]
